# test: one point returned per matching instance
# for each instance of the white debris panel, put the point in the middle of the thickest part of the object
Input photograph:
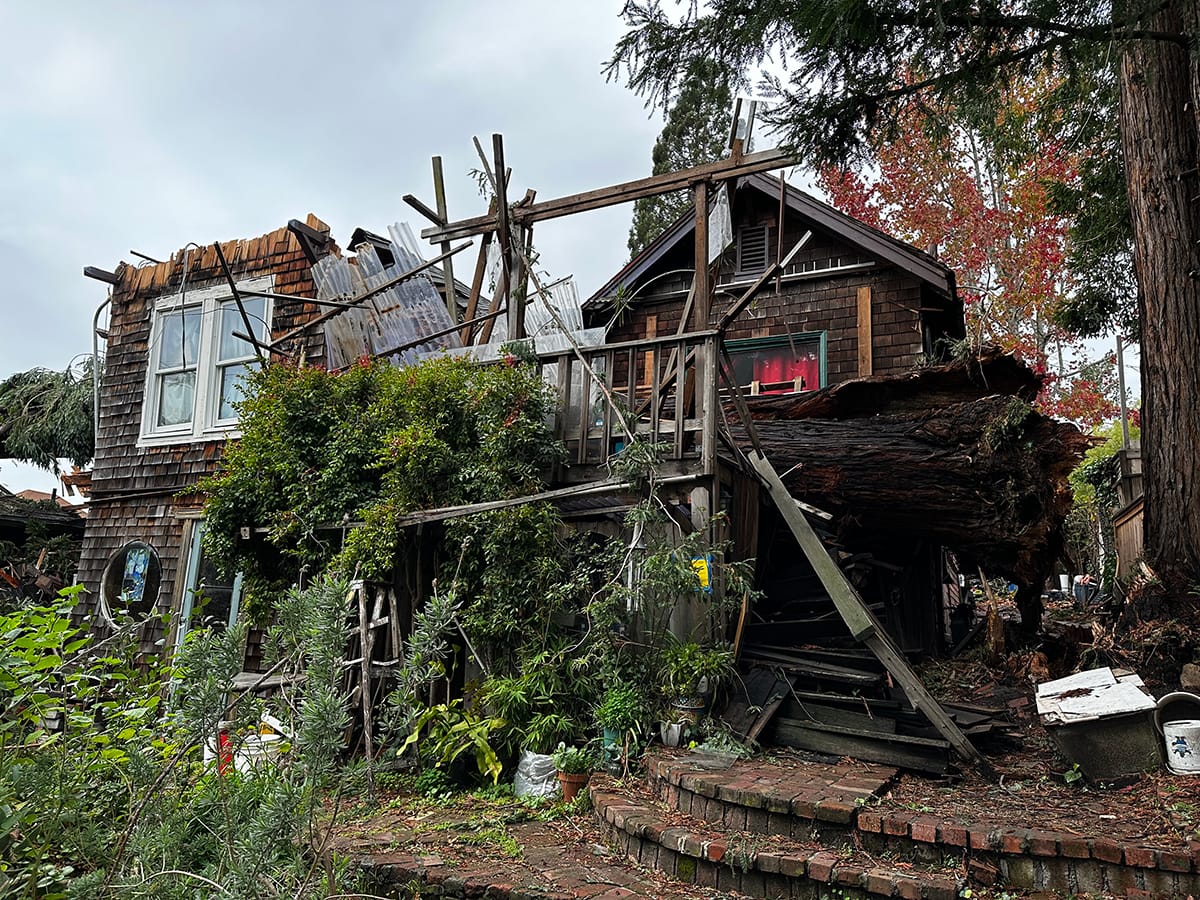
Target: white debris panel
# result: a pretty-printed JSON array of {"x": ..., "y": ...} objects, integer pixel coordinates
[
  {"x": 1090, "y": 695},
  {"x": 401, "y": 315}
]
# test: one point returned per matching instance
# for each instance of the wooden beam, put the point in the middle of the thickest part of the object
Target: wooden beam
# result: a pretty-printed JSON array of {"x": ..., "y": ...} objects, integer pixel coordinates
[
  {"x": 703, "y": 290},
  {"x": 865, "y": 362},
  {"x": 858, "y": 617},
  {"x": 423, "y": 209},
  {"x": 294, "y": 298},
  {"x": 649, "y": 359},
  {"x": 625, "y": 192},
  {"x": 237, "y": 298},
  {"x": 730, "y": 377},
  {"x": 919, "y": 754},
  {"x": 579, "y": 490},
  {"x": 439, "y": 193},
  {"x": 476, "y": 286},
  {"x": 516, "y": 311},
  {"x": 366, "y": 643}
]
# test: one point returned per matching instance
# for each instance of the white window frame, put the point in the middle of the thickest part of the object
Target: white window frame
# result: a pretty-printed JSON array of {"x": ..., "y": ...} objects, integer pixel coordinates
[
  {"x": 191, "y": 586},
  {"x": 205, "y": 424}
]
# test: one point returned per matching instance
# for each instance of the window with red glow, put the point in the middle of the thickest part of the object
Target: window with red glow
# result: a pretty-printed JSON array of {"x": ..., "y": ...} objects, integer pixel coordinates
[{"x": 778, "y": 366}]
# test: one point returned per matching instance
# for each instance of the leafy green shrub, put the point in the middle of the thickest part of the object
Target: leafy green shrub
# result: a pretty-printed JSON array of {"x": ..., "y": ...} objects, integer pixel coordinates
[
  {"x": 77, "y": 737},
  {"x": 101, "y": 796},
  {"x": 446, "y": 731},
  {"x": 622, "y": 708},
  {"x": 319, "y": 450}
]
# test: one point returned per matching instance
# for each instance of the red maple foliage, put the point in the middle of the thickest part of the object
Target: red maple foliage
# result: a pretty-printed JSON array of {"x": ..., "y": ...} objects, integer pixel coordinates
[{"x": 976, "y": 191}]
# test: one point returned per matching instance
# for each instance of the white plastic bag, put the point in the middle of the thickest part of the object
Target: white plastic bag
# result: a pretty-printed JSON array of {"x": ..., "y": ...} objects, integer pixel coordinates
[{"x": 536, "y": 775}]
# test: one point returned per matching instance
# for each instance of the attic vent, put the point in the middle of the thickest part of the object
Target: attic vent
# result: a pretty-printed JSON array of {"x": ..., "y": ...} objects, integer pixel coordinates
[{"x": 752, "y": 249}]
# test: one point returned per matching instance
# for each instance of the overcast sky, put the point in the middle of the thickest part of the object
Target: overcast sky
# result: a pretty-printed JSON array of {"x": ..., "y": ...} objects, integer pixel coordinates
[{"x": 146, "y": 125}]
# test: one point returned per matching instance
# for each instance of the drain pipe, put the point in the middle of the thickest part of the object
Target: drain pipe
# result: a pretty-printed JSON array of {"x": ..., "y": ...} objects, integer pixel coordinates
[
  {"x": 96, "y": 365},
  {"x": 112, "y": 279}
]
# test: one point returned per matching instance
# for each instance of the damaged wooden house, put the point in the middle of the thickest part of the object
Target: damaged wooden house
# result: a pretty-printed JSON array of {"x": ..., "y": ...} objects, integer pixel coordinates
[
  {"x": 181, "y": 333},
  {"x": 801, "y": 380}
]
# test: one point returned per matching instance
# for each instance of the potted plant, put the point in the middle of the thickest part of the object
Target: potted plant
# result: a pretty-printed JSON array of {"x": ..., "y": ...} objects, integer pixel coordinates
[
  {"x": 575, "y": 765},
  {"x": 620, "y": 712},
  {"x": 673, "y": 727},
  {"x": 692, "y": 673}
]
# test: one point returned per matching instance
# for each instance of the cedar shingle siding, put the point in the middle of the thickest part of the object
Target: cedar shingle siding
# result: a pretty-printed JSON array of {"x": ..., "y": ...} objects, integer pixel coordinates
[
  {"x": 136, "y": 492},
  {"x": 902, "y": 327}
]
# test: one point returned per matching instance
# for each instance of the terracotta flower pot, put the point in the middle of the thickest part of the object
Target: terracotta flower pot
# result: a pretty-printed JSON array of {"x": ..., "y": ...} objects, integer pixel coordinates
[{"x": 572, "y": 783}]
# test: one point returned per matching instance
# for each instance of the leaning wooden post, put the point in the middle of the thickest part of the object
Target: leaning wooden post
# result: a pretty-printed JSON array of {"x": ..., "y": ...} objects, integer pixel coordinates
[
  {"x": 516, "y": 310},
  {"x": 439, "y": 193}
]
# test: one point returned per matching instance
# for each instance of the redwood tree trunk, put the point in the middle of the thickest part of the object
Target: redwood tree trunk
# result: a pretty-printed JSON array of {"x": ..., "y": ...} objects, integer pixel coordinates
[{"x": 1159, "y": 142}]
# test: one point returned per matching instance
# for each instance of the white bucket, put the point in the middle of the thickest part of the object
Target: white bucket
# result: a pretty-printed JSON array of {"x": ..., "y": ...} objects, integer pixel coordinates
[
  {"x": 1183, "y": 746},
  {"x": 257, "y": 752}
]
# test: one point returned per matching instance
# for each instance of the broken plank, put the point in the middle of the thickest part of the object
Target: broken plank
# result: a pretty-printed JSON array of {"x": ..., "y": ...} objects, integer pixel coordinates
[
  {"x": 850, "y": 658},
  {"x": 760, "y": 686},
  {"x": 770, "y": 708},
  {"x": 625, "y": 192},
  {"x": 814, "y": 669},
  {"x": 441, "y": 514},
  {"x": 833, "y": 715},
  {"x": 919, "y": 754}
]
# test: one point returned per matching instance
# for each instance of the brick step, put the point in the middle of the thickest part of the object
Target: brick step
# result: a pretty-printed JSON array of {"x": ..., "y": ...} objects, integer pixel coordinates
[
  {"x": 839, "y": 806},
  {"x": 757, "y": 865}
]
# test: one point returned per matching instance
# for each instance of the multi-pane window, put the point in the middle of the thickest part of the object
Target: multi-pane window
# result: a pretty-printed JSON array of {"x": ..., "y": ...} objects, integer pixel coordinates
[
  {"x": 234, "y": 354},
  {"x": 197, "y": 364},
  {"x": 178, "y": 353}
]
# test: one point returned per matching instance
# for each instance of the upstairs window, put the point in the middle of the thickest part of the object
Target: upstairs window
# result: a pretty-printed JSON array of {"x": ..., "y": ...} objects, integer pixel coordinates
[{"x": 196, "y": 366}]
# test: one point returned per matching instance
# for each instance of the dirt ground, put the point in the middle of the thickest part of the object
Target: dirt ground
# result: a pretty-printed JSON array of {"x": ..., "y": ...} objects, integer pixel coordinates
[{"x": 1037, "y": 787}]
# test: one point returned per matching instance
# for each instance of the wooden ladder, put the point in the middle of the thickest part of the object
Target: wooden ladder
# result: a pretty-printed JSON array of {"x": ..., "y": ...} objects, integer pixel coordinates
[{"x": 372, "y": 633}]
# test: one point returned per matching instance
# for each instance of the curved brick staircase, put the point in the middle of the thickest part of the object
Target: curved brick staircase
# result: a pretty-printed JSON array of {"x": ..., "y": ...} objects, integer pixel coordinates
[{"x": 787, "y": 829}]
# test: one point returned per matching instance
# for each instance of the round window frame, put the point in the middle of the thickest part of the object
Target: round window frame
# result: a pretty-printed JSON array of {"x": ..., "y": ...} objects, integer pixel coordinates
[{"x": 114, "y": 573}]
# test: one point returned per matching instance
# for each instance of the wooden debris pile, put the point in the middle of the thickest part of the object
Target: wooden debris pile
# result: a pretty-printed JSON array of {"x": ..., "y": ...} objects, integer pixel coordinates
[
  {"x": 842, "y": 703},
  {"x": 28, "y": 581}
]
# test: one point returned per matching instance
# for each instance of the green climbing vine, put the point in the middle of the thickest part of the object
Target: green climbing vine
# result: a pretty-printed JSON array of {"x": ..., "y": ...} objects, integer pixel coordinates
[{"x": 327, "y": 456}]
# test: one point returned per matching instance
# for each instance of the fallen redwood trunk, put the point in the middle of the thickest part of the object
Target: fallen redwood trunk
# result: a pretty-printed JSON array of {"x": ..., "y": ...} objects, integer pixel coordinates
[{"x": 919, "y": 457}]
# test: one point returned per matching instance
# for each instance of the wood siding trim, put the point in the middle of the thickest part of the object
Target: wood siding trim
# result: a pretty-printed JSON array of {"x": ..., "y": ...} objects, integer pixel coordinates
[{"x": 865, "y": 364}]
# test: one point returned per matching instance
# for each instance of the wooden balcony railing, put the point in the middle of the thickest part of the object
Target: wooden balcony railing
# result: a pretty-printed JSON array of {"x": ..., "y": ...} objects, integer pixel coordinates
[{"x": 661, "y": 389}]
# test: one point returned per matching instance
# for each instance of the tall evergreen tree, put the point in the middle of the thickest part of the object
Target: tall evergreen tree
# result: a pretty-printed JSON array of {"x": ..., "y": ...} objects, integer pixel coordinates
[
  {"x": 696, "y": 132},
  {"x": 847, "y": 61}
]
